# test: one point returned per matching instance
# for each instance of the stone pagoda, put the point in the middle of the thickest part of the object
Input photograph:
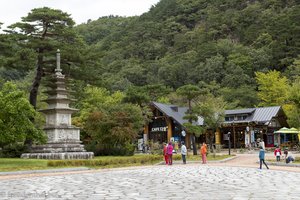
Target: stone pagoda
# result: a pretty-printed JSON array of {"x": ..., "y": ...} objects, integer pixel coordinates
[{"x": 63, "y": 138}]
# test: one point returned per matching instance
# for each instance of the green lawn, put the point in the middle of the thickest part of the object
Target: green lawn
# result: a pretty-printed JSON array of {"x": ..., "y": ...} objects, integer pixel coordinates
[
  {"x": 17, "y": 164},
  {"x": 210, "y": 157}
]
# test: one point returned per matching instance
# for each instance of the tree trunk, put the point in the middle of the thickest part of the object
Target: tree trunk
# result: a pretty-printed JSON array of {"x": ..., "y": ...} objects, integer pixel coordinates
[
  {"x": 194, "y": 144},
  {"x": 193, "y": 134},
  {"x": 211, "y": 140},
  {"x": 36, "y": 82},
  {"x": 34, "y": 91}
]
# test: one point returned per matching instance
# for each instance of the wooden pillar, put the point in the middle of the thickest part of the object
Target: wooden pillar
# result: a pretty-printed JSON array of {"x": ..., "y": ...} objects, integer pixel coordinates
[
  {"x": 146, "y": 133},
  {"x": 218, "y": 137},
  {"x": 234, "y": 138},
  {"x": 188, "y": 140},
  {"x": 169, "y": 124}
]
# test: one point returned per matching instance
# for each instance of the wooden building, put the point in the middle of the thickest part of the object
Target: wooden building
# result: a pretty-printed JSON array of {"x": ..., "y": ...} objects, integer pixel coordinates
[
  {"x": 167, "y": 124},
  {"x": 244, "y": 125},
  {"x": 247, "y": 126}
]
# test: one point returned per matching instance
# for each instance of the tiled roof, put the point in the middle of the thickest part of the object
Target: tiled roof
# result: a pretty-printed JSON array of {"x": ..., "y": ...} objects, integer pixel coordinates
[
  {"x": 240, "y": 111},
  {"x": 170, "y": 110},
  {"x": 265, "y": 114},
  {"x": 258, "y": 115}
]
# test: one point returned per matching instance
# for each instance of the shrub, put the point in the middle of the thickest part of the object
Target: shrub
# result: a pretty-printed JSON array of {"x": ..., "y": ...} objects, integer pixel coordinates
[
  {"x": 104, "y": 161},
  {"x": 106, "y": 150},
  {"x": 12, "y": 151}
]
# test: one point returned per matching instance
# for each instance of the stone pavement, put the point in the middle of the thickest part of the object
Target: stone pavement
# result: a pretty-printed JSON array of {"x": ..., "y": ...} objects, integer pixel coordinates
[
  {"x": 238, "y": 179},
  {"x": 190, "y": 182}
]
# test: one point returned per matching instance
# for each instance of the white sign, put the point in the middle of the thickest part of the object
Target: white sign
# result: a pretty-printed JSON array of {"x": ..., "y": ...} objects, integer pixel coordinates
[
  {"x": 225, "y": 136},
  {"x": 252, "y": 136},
  {"x": 140, "y": 144},
  {"x": 156, "y": 129},
  {"x": 247, "y": 142}
]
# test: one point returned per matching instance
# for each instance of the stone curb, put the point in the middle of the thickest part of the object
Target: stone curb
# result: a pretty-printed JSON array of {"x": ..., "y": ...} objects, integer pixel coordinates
[
  {"x": 45, "y": 171},
  {"x": 192, "y": 162},
  {"x": 282, "y": 164}
]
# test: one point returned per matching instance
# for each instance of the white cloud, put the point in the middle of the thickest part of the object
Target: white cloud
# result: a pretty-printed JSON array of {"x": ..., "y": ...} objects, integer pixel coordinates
[{"x": 11, "y": 11}]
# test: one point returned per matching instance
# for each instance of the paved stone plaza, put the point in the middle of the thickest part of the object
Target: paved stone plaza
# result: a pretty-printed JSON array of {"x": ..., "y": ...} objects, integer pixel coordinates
[{"x": 191, "y": 181}]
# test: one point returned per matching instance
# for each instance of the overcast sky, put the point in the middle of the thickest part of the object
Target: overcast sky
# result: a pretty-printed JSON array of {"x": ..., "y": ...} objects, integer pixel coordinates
[{"x": 11, "y": 11}]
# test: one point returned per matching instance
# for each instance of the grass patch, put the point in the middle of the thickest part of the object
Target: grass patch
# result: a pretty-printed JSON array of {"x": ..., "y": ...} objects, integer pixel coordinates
[
  {"x": 18, "y": 164},
  {"x": 109, "y": 161},
  {"x": 210, "y": 157},
  {"x": 282, "y": 160}
]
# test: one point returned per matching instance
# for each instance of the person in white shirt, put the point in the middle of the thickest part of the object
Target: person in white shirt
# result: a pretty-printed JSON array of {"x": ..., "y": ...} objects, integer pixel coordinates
[
  {"x": 183, "y": 152},
  {"x": 262, "y": 144}
]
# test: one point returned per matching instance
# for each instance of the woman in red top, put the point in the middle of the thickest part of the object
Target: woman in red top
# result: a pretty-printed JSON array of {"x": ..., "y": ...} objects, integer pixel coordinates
[
  {"x": 170, "y": 153},
  {"x": 166, "y": 153}
]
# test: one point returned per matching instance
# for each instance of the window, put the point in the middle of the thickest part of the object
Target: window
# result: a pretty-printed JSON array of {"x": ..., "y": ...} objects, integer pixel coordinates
[
  {"x": 229, "y": 118},
  {"x": 241, "y": 117}
]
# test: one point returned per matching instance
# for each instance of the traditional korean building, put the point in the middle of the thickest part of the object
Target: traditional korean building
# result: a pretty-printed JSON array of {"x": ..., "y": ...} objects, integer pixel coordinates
[
  {"x": 248, "y": 125},
  {"x": 244, "y": 125},
  {"x": 168, "y": 124}
]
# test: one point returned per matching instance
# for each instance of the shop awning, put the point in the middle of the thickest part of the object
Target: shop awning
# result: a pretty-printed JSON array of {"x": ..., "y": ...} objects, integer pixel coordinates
[{"x": 288, "y": 130}]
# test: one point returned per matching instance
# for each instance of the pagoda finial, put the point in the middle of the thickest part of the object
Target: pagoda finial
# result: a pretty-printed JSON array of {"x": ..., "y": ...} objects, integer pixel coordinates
[{"x": 58, "y": 69}]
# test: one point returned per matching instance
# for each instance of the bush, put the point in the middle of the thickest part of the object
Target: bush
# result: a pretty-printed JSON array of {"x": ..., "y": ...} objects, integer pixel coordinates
[
  {"x": 104, "y": 150},
  {"x": 12, "y": 151},
  {"x": 104, "y": 161},
  {"x": 155, "y": 148}
]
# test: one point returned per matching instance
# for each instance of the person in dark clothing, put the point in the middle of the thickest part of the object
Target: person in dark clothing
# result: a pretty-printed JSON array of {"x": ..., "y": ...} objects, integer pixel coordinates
[
  {"x": 290, "y": 159},
  {"x": 262, "y": 158}
]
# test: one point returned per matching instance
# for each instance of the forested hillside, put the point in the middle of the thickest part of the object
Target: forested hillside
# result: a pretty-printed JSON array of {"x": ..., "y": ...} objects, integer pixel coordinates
[
  {"x": 216, "y": 45},
  {"x": 219, "y": 44}
]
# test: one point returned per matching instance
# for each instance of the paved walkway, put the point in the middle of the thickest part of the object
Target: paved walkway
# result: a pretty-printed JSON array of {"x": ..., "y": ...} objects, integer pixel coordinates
[
  {"x": 192, "y": 181},
  {"x": 237, "y": 179}
]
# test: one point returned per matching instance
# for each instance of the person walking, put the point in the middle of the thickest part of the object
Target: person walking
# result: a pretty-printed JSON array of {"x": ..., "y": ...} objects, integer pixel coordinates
[
  {"x": 203, "y": 151},
  {"x": 170, "y": 153},
  {"x": 165, "y": 152},
  {"x": 183, "y": 152},
  {"x": 277, "y": 153},
  {"x": 262, "y": 144},
  {"x": 262, "y": 158}
]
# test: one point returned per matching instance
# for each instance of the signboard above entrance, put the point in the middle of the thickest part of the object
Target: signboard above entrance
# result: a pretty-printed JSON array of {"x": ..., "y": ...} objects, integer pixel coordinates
[{"x": 158, "y": 129}]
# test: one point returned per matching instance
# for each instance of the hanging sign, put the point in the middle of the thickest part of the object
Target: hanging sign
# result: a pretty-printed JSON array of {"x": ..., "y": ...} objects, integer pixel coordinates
[{"x": 159, "y": 129}]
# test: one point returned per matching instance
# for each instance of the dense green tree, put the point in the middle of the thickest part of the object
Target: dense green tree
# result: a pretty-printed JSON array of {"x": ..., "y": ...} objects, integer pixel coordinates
[
  {"x": 108, "y": 121},
  {"x": 190, "y": 93},
  {"x": 294, "y": 98},
  {"x": 45, "y": 30},
  {"x": 212, "y": 110},
  {"x": 15, "y": 117},
  {"x": 272, "y": 88},
  {"x": 137, "y": 95},
  {"x": 240, "y": 97},
  {"x": 293, "y": 71},
  {"x": 115, "y": 127}
]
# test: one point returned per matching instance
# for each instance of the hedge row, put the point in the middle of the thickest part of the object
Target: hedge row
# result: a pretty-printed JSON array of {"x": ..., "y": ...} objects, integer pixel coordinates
[{"x": 105, "y": 161}]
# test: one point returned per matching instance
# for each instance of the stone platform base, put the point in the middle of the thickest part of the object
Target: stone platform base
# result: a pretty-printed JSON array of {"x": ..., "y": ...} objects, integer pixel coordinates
[{"x": 59, "y": 156}]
